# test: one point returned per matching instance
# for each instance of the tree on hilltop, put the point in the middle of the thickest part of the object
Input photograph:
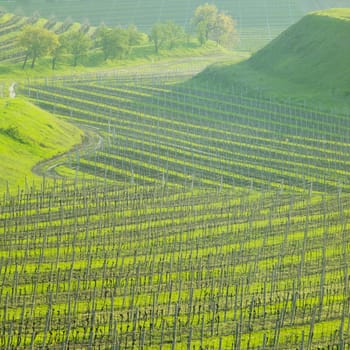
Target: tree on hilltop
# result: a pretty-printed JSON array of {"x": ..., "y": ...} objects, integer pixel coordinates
[
  {"x": 77, "y": 43},
  {"x": 135, "y": 37},
  {"x": 204, "y": 20},
  {"x": 113, "y": 42},
  {"x": 212, "y": 24},
  {"x": 174, "y": 33},
  {"x": 224, "y": 31},
  {"x": 165, "y": 33},
  {"x": 117, "y": 42},
  {"x": 58, "y": 51},
  {"x": 37, "y": 42},
  {"x": 158, "y": 35}
]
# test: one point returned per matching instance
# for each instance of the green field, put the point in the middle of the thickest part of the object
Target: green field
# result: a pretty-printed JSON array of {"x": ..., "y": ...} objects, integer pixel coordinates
[{"x": 197, "y": 214}]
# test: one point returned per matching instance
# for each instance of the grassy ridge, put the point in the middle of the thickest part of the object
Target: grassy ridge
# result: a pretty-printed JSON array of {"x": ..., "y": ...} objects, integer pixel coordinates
[
  {"x": 308, "y": 62},
  {"x": 313, "y": 52},
  {"x": 27, "y": 136}
]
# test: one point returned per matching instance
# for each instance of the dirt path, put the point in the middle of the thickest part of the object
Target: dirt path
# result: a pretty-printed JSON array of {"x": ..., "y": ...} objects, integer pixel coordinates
[{"x": 92, "y": 141}]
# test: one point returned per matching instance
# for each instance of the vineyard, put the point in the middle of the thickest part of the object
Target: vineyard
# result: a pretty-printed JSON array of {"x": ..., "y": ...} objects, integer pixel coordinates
[
  {"x": 194, "y": 220},
  {"x": 11, "y": 25},
  {"x": 154, "y": 130}
]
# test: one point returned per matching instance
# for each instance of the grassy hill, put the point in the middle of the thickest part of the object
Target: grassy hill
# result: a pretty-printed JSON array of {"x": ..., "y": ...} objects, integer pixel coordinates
[
  {"x": 309, "y": 61},
  {"x": 27, "y": 136}
]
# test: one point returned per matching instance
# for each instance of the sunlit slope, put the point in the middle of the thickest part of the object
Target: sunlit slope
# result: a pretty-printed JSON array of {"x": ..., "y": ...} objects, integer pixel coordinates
[
  {"x": 310, "y": 59},
  {"x": 314, "y": 52},
  {"x": 27, "y": 136}
]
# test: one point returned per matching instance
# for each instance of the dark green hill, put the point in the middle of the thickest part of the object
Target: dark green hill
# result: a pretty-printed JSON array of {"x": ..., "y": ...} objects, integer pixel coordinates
[
  {"x": 309, "y": 61},
  {"x": 314, "y": 52}
]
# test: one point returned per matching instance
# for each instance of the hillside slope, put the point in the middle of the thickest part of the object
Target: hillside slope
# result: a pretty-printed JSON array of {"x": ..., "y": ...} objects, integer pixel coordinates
[
  {"x": 308, "y": 61},
  {"x": 27, "y": 136},
  {"x": 314, "y": 52}
]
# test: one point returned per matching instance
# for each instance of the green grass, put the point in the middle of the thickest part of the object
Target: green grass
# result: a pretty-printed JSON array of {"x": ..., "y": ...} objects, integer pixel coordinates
[
  {"x": 29, "y": 135},
  {"x": 308, "y": 63},
  {"x": 185, "y": 54}
]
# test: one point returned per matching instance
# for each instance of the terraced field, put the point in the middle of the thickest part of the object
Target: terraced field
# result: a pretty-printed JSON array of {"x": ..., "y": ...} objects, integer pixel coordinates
[
  {"x": 11, "y": 25},
  {"x": 199, "y": 221},
  {"x": 107, "y": 267},
  {"x": 156, "y": 130}
]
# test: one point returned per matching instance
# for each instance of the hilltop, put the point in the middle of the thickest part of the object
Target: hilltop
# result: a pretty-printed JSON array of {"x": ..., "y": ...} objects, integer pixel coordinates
[
  {"x": 309, "y": 61},
  {"x": 27, "y": 136}
]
